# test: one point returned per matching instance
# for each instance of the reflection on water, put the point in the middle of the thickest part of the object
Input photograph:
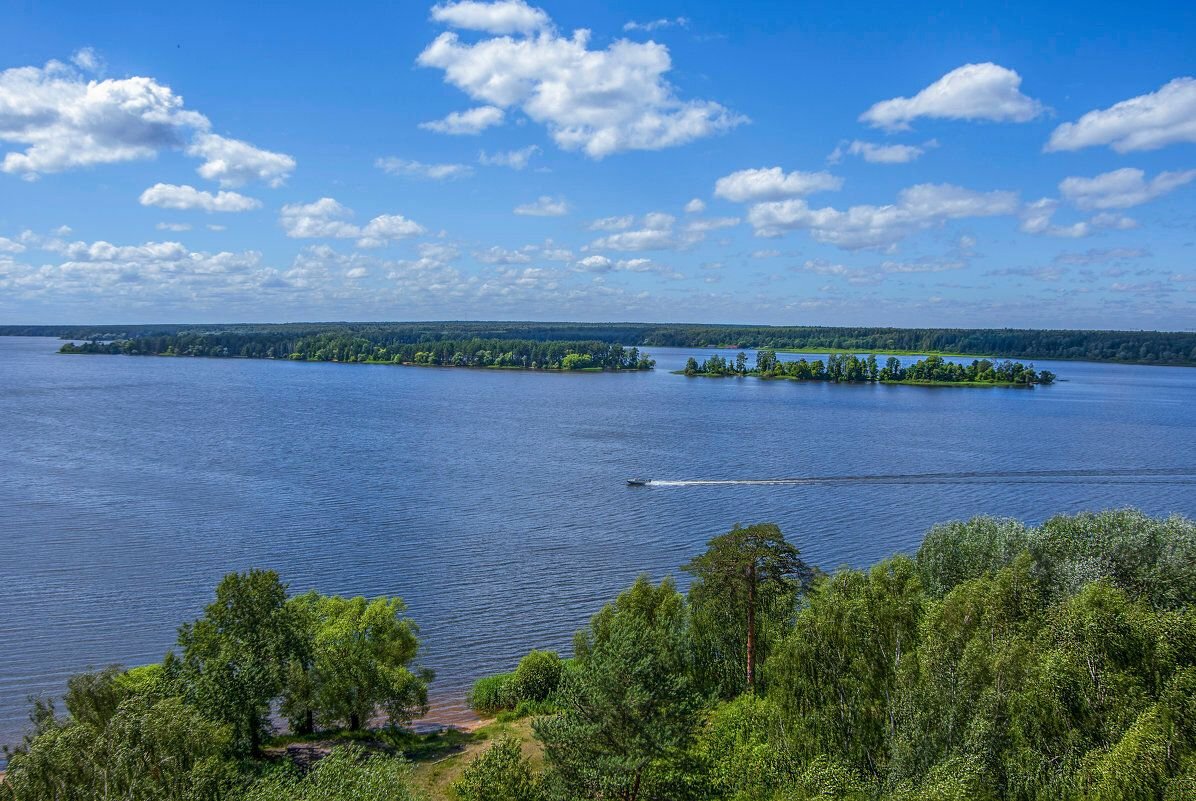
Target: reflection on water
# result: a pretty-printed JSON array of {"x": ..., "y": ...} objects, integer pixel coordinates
[{"x": 495, "y": 502}]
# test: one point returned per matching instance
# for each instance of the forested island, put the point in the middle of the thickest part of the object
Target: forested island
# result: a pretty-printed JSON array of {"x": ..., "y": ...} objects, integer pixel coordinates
[
  {"x": 335, "y": 346},
  {"x": 1000, "y": 661},
  {"x": 849, "y": 368},
  {"x": 1134, "y": 347}
]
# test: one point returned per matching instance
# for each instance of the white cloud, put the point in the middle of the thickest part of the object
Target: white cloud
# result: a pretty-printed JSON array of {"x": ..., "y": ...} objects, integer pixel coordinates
[
  {"x": 236, "y": 163},
  {"x": 598, "y": 101},
  {"x": 437, "y": 172},
  {"x": 655, "y": 233},
  {"x": 773, "y": 183},
  {"x": 503, "y": 17},
  {"x": 515, "y": 159},
  {"x": 500, "y": 255},
  {"x": 656, "y": 24},
  {"x": 173, "y": 226},
  {"x": 878, "y": 154},
  {"x": 9, "y": 246},
  {"x": 215, "y": 227},
  {"x": 712, "y": 224},
  {"x": 1146, "y": 122},
  {"x": 326, "y": 218},
  {"x": 1037, "y": 218},
  {"x": 64, "y": 121},
  {"x": 1121, "y": 189},
  {"x": 87, "y": 59},
  {"x": 612, "y": 223},
  {"x": 466, "y": 123},
  {"x": 971, "y": 92},
  {"x": 695, "y": 206},
  {"x": 172, "y": 196},
  {"x": 544, "y": 206},
  {"x": 917, "y": 207}
]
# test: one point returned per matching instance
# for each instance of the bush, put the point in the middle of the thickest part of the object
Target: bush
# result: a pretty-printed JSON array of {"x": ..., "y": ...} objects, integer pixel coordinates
[
  {"x": 491, "y": 694},
  {"x": 538, "y": 675},
  {"x": 500, "y": 773}
]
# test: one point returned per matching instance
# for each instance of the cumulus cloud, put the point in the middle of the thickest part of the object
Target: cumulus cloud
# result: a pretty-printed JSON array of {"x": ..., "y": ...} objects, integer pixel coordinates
[
  {"x": 515, "y": 159},
  {"x": 173, "y": 226},
  {"x": 971, "y": 92},
  {"x": 773, "y": 183},
  {"x": 544, "y": 206},
  {"x": 187, "y": 198},
  {"x": 695, "y": 206},
  {"x": 9, "y": 246},
  {"x": 65, "y": 121},
  {"x": 236, "y": 163},
  {"x": 503, "y": 17},
  {"x": 466, "y": 123},
  {"x": 1037, "y": 217},
  {"x": 655, "y": 232},
  {"x": 656, "y": 24},
  {"x": 1121, "y": 189},
  {"x": 920, "y": 206},
  {"x": 437, "y": 172},
  {"x": 598, "y": 101},
  {"x": 1145, "y": 122},
  {"x": 326, "y": 218},
  {"x": 878, "y": 154}
]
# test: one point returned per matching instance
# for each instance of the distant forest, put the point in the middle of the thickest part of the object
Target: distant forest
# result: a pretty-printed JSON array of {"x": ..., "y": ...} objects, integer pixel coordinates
[{"x": 1137, "y": 347}]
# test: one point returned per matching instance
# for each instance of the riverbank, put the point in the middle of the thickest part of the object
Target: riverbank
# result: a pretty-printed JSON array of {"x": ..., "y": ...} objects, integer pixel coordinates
[{"x": 903, "y": 382}]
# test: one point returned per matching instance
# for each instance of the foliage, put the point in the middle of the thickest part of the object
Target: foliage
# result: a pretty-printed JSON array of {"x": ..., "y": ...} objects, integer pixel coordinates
[
  {"x": 849, "y": 368},
  {"x": 346, "y": 774},
  {"x": 142, "y": 749},
  {"x": 348, "y": 345},
  {"x": 360, "y": 657},
  {"x": 628, "y": 706},
  {"x": 1139, "y": 347},
  {"x": 500, "y": 773},
  {"x": 491, "y": 694},
  {"x": 747, "y": 575},
  {"x": 235, "y": 657},
  {"x": 538, "y": 676}
]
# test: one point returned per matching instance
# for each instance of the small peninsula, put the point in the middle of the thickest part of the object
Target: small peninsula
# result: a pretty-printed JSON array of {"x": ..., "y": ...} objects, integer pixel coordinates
[
  {"x": 842, "y": 368},
  {"x": 337, "y": 346}
]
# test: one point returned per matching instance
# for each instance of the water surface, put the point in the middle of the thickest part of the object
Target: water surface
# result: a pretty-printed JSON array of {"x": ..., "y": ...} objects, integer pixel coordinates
[{"x": 494, "y": 502}]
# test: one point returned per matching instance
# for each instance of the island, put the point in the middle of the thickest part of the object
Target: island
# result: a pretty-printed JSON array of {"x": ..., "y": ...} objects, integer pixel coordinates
[
  {"x": 338, "y": 345},
  {"x": 849, "y": 368}
]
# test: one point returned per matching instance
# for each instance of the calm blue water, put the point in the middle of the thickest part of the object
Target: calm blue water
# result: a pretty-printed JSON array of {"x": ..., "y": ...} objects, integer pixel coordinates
[{"x": 494, "y": 502}]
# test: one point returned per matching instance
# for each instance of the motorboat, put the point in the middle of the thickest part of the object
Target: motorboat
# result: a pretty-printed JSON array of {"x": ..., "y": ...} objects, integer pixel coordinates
[{"x": 638, "y": 482}]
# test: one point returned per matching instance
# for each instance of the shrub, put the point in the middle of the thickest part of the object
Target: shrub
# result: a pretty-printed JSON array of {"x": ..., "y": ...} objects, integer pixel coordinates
[
  {"x": 492, "y": 694},
  {"x": 500, "y": 773},
  {"x": 538, "y": 675}
]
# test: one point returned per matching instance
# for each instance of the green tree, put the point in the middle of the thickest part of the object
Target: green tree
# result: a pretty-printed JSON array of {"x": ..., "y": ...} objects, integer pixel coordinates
[
  {"x": 361, "y": 655},
  {"x": 235, "y": 657},
  {"x": 628, "y": 707},
  {"x": 735, "y": 568}
]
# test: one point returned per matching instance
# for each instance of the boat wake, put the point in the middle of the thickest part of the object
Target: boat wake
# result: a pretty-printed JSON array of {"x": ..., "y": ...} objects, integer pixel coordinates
[{"x": 1165, "y": 475}]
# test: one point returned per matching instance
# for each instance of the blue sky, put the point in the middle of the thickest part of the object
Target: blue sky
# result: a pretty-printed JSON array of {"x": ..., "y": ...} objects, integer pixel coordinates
[{"x": 816, "y": 163}]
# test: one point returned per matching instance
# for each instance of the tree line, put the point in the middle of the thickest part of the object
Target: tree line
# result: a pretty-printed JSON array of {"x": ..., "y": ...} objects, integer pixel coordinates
[
  {"x": 1137, "y": 347},
  {"x": 341, "y": 347},
  {"x": 193, "y": 726},
  {"x": 849, "y": 368},
  {"x": 1000, "y": 661}
]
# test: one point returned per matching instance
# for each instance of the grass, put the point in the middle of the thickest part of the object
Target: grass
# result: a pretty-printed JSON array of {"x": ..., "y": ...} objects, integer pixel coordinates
[
  {"x": 437, "y": 758},
  {"x": 435, "y": 776}
]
